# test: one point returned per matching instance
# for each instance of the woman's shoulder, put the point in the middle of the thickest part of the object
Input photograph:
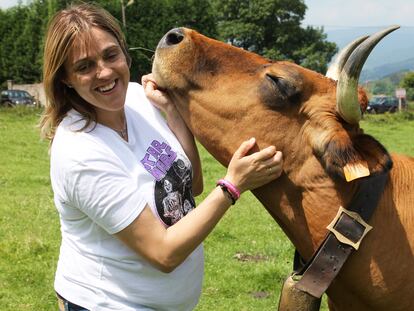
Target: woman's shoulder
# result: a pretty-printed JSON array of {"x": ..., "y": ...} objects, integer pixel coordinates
[
  {"x": 73, "y": 122},
  {"x": 138, "y": 102},
  {"x": 74, "y": 142},
  {"x": 136, "y": 98},
  {"x": 134, "y": 91}
]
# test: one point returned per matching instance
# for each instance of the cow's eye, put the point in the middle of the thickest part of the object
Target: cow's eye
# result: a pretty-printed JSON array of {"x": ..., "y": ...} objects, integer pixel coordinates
[
  {"x": 278, "y": 92},
  {"x": 283, "y": 86}
]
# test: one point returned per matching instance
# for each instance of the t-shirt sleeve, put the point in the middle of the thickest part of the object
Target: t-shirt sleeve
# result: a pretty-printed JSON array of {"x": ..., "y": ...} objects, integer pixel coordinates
[{"x": 105, "y": 192}]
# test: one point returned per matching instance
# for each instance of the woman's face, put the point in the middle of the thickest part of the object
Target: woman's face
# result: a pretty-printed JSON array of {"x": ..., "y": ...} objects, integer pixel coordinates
[{"x": 98, "y": 71}]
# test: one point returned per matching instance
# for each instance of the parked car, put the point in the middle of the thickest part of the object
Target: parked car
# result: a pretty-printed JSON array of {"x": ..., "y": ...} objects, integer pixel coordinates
[
  {"x": 381, "y": 104},
  {"x": 12, "y": 98}
]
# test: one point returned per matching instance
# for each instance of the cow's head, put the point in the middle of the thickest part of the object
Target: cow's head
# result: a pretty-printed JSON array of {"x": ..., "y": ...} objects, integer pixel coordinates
[{"x": 226, "y": 95}]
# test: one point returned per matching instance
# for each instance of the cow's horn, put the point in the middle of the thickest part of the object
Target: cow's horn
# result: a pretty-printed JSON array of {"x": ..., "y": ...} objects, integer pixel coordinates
[
  {"x": 347, "y": 103},
  {"x": 336, "y": 66}
]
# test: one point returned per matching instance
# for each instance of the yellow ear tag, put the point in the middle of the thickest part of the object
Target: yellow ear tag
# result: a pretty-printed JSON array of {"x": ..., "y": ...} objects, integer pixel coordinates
[{"x": 356, "y": 170}]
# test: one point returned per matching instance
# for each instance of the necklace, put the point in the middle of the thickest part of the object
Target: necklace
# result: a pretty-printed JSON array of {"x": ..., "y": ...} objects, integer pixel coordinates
[{"x": 123, "y": 132}]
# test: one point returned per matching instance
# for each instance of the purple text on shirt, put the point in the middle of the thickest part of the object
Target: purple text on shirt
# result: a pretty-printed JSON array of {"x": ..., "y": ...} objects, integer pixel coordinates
[{"x": 158, "y": 159}]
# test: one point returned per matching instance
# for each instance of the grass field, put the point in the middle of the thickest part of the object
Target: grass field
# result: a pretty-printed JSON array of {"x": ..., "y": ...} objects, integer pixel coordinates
[{"x": 247, "y": 255}]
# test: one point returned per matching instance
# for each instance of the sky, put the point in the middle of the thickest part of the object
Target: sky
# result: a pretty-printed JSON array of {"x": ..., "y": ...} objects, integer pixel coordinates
[
  {"x": 4, "y": 4},
  {"x": 359, "y": 13},
  {"x": 342, "y": 13}
]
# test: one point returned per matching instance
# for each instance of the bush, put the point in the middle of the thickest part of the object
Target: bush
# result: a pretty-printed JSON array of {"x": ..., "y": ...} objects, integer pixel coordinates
[{"x": 390, "y": 117}]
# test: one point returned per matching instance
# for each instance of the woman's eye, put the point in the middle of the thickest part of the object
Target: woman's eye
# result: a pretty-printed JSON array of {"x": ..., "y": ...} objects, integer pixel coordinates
[
  {"x": 83, "y": 68},
  {"x": 112, "y": 56}
]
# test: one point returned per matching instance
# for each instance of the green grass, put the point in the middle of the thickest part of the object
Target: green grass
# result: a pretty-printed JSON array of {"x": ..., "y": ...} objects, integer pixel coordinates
[
  {"x": 29, "y": 227},
  {"x": 247, "y": 255},
  {"x": 395, "y": 130}
]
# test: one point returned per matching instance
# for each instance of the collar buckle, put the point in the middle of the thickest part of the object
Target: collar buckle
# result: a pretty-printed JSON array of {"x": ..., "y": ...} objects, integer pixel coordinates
[{"x": 349, "y": 227}]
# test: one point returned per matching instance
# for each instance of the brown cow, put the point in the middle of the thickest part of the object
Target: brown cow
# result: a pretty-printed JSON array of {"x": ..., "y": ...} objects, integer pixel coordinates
[{"x": 226, "y": 95}]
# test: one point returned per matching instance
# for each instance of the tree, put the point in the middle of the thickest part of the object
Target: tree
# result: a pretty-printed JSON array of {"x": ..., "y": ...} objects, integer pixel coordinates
[
  {"x": 407, "y": 82},
  {"x": 22, "y": 29},
  {"x": 383, "y": 86},
  {"x": 272, "y": 28},
  {"x": 12, "y": 59},
  {"x": 148, "y": 21},
  {"x": 268, "y": 27},
  {"x": 4, "y": 29},
  {"x": 30, "y": 42}
]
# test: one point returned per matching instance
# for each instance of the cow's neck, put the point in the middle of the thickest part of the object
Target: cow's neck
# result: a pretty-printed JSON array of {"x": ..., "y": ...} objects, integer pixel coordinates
[
  {"x": 304, "y": 204},
  {"x": 303, "y": 200},
  {"x": 214, "y": 127}
]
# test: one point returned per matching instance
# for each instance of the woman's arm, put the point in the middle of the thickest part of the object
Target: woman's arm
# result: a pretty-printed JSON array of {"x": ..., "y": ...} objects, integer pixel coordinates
[
  {"x": 178, "y": 127},
  {"x": 166, "y": 248}
]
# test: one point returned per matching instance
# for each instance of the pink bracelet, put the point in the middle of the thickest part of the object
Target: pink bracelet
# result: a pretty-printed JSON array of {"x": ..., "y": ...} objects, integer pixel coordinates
[{"x": 230, "y": 189}]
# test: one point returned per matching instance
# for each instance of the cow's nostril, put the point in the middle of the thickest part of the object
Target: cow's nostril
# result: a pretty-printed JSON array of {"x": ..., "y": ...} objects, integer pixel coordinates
[{"x": 174, "y": 37}]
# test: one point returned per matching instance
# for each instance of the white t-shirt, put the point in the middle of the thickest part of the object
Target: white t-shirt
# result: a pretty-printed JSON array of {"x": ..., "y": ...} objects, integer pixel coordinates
[{"x": 101, "y": 183}]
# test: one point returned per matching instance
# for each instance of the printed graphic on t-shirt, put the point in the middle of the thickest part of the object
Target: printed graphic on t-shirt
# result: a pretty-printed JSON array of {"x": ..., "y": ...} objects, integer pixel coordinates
[{"x": 172, "y": 172}]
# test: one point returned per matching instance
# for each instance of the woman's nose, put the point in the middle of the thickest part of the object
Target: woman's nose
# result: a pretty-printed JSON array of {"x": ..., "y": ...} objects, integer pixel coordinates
[{"x": 103, "y": 70}]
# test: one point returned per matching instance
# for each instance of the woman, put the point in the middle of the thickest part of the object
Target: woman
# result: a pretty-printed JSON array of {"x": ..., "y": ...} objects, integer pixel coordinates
[{"x": 111, "y": 153}]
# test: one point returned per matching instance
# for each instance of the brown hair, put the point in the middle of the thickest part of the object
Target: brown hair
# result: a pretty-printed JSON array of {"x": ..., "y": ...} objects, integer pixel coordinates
[{"x": 64, "y": 27}]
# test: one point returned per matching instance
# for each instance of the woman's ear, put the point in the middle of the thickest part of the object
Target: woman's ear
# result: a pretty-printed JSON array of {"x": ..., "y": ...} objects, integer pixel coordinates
[
  {"x": 65, "y": 82},
  {"x": 63, "y": 77}
]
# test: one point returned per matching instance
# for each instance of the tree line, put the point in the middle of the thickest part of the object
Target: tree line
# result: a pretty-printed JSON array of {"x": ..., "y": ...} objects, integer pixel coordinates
[{"x": 271, "y": 28}]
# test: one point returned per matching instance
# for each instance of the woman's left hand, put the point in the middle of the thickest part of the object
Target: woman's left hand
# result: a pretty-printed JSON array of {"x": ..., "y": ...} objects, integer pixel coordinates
[
  {"x": 162, "y": 101},
  {"x": 158, "y": 98}
]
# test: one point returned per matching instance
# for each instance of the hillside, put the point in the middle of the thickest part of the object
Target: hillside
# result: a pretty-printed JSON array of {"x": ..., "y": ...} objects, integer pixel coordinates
[{"x": 387, "y": 69}]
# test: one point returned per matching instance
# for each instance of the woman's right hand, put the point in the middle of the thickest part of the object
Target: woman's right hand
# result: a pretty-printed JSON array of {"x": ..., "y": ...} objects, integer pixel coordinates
[
  {"x": 248, "y": 172},
  {"x": 167, "y": 248}
]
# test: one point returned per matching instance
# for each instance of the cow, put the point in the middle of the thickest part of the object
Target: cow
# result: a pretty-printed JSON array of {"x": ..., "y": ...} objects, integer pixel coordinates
[{"x": 226, "y": 94}]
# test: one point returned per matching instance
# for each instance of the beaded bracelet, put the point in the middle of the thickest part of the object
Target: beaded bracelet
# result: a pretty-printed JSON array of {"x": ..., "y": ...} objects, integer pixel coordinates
[{"x": 230, "y": 189}]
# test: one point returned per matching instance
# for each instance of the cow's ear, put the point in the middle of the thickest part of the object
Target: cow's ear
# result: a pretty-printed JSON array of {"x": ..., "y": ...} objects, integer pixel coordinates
[
  {"x": 348, "y": 159},
  {"x": 281, "y": 86}
]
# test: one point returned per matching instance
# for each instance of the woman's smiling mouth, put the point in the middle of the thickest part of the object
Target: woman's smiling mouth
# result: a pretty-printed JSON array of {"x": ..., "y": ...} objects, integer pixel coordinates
[{"x": 106, "y": 88}]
